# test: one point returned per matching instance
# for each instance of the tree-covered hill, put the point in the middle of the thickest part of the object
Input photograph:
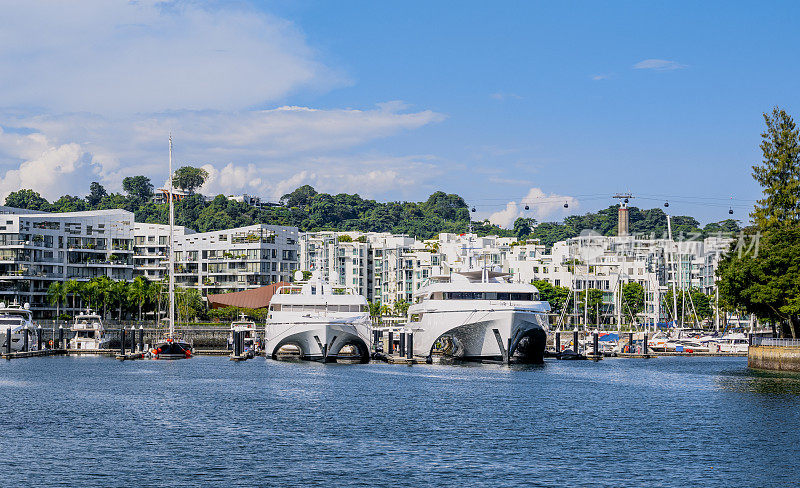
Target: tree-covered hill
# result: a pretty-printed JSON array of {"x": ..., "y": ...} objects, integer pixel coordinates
[{"x": 310, "y": 211}]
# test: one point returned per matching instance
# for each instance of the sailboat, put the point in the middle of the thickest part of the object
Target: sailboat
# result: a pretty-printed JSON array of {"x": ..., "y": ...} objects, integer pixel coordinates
[{"x": 171, "y": 347}]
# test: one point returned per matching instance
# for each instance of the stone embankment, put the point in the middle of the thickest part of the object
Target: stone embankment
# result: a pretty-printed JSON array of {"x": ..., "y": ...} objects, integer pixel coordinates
[{"x": 774, "y": 355}]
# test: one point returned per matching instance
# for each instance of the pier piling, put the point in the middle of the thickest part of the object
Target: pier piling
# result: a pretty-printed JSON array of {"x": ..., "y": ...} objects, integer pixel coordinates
[
  {"x": 391, "y": 343},
  {"x": 630, "y": 342},
  {"x": 644, "y": 344},
  {"x": 25, "y": 340},
  {"x": 8, "y": 340},
  {"x": 39, "y": 338},
  {"x": 141, "y": 338},
  {"x": 237, "y": 349},
  {"x": 575, "y": 341},
  {"x": 558, "y": 341},
  {"x": 61, "y": 343},
  {"x": 402, "y": 348},
  {"x": 596, "y": 343},
  {"x": 410, "y": 346},
  {"x": 122, "y": 341}
]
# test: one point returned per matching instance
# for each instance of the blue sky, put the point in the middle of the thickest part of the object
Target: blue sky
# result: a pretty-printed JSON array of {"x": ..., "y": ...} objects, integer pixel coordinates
[{"x": 504, "y": 103}]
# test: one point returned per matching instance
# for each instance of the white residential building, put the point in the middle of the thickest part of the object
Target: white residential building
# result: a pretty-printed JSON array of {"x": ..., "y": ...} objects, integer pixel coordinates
[{"x": 38, "y": 248}]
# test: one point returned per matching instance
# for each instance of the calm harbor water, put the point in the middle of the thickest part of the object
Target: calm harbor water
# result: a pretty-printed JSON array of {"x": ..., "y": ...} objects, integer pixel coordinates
[{"x": 92, "y": 421}]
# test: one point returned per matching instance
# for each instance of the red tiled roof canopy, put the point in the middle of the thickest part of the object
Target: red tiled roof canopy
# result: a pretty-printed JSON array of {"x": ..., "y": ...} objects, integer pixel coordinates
[{"x": 255, "y": 298}]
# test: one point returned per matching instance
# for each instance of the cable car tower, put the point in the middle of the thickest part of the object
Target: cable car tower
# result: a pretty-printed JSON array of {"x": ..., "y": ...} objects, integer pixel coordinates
[{"x": 622, "y": 214}]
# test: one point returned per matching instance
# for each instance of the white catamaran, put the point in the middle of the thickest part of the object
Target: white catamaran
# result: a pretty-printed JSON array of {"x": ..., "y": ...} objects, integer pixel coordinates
[{"x": 319, "y": 321}]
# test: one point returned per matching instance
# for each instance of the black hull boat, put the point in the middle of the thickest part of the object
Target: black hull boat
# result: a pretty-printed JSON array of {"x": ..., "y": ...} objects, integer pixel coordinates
[{"x": 172, "y": 349}]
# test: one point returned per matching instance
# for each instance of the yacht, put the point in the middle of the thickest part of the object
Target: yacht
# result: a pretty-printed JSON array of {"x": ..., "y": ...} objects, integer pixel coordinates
[
  {"x": 318, "y": 321},
  {"x": 88, "y": 332},
  {"x": 19, "y": 320},
  {"x": 171, "y": 346},
  {"x": 248, "y": 329},
  {"x": 478, "y": 315},
  {"x": 735, "y": 342}
]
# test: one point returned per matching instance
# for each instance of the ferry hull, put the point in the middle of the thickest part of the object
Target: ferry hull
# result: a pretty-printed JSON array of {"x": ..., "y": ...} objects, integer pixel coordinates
[
  {"x": 319, "y": 341},
  {"x": 501, "y": 335}
]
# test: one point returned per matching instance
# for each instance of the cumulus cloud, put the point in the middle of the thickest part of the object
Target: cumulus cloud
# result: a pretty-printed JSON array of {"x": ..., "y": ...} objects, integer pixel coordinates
[
  {"x": 146, "y": 56},
  {"x": 659, "y": 65},
  {"x": 542, "y": 206},
  {"x": 95, "y": 99},
  {"x": 45, "y": 167},
  {"x": 369, "y": 176}
]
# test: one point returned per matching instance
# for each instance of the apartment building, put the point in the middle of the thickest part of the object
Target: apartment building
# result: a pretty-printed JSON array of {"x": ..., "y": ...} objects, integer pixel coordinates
[
  {"x": 38, "y": 248},
  {"x": 236, "y": 259},
  {"x": 150, "y": 248}
]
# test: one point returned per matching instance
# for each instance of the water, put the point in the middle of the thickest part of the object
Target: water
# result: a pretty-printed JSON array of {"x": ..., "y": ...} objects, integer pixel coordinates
[{"x": 92, "y": 422}]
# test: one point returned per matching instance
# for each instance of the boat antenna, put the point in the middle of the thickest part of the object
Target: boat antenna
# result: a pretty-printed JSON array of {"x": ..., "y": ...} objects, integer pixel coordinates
[{"x": 171, "y": 248}]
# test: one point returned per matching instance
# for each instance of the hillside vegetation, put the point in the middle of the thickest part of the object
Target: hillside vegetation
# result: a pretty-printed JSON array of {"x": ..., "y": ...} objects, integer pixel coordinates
[{"x": 309, "y": 210}]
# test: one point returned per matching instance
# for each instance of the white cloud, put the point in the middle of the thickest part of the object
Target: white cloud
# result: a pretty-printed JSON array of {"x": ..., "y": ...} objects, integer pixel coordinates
[
  {"x": 659, "y": 65},
  {"x": 369, "y": 176},
  {"x": 601, "y": 77},
  {"x": 45, "y": 167},
  {"x": 542, "y": 206},
  {"x": 501, "y": 96},
  {"x": 112, "y": 55},
  {"x": 95, "y": 98}
]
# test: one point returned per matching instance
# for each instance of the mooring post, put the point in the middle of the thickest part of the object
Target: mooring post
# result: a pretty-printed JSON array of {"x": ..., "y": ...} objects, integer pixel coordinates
[
  {"x": 61, "y": 343},
  {"x": 644, "y": 344},
  {"x": 596, "y": 340},
  {"x": 122, "y": 341},
  {"x": 25, "y": 340},
  {"x": 558, "y": 341},
  {"x": 237, "y": 351},
  {"x": 133, "y": 339},
  {"x": 141, "y": 338},
  {"x": 8, "y": 340},
  {"x": 410, "y": 345},
  {"x": 39, "y": 338},
  {"x": 575, "y": 341},
  {"x": 630, "y": 342},
  {"x": 402, "y": 348},
  {"x": 391, "y": 342}
]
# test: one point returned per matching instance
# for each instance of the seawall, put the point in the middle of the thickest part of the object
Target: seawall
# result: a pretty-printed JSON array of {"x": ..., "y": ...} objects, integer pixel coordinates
[{"x": 774, "y": 358}]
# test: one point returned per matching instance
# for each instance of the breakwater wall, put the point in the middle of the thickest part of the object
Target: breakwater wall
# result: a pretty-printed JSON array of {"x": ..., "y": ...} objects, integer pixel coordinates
[{"x": 775, "y": 355}]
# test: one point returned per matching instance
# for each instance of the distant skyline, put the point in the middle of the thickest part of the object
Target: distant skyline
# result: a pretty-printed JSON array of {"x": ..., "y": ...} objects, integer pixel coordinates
[{"x": 504, "y": 103}]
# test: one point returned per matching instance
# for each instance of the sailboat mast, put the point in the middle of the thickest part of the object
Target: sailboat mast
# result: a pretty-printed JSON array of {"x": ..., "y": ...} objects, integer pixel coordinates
[{"x": 171, "y": 249}]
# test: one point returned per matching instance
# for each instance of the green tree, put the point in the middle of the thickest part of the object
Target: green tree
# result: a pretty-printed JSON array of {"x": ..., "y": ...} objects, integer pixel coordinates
[
  {"x": 401, "y": 308},
  {"x": 96, "y": 194},
  {"x": 139, "y": 293},
  {"x": 118, "y": 295},
  {"x": 138, "y": 187},
  {"x": 779, "y": 172},
  {"x": 300, "y": 197},
  {"x": 73, "y": 288},
  {"x": 189, "y": 178},
  {"x": 27, "y": 199},
  {"x": 57, "y": 294},
  {"x": 632, "y": 299},
  {"x": 523, "y": 227},
  {"x": 594, "y": 303},
  {"x": 557, "y": 296}
]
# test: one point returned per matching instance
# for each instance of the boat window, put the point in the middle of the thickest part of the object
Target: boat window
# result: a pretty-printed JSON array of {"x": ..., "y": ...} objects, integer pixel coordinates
[
  {"x": 476, "y": 295},
  {"x": 355, "y": 308},
  {"x": 275, "y": 308}
]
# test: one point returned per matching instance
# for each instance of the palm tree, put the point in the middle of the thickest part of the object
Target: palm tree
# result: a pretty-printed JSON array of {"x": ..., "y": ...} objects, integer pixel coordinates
[
  {"x": 72, "y": 287},
  {"x": 57, "y": 293},
  {"x": 139, "y": 292},
  {"x": 118, "y": 293}
]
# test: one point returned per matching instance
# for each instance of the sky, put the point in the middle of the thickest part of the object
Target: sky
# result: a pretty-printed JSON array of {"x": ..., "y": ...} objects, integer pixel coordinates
[{"x": 507, "y": 104}]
